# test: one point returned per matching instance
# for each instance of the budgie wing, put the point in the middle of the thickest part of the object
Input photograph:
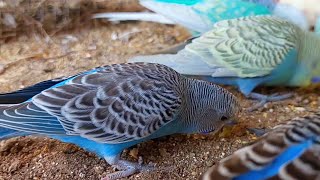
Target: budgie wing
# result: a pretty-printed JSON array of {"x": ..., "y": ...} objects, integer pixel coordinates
[
  {"x": 250, "y": 46},
  {"x": 262, "y": 154},
  {"x": 117, "y": 103}
]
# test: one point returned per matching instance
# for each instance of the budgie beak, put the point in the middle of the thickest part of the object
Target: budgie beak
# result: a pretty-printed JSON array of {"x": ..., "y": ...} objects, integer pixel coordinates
[
  {"x": 315, "y": 79},
  {"x": 232, "y": 122}
]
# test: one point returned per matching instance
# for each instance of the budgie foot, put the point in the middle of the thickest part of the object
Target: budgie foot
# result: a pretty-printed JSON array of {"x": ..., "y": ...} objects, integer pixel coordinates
[
  {"x": 126, "y": 168},
  {"x": 265, "y": 98}
]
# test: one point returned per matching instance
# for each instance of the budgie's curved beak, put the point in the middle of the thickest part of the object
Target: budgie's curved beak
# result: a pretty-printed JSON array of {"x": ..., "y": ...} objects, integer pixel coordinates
[
  {"x": 315, "y": 79},
  {"x": 232, "y": 122}
]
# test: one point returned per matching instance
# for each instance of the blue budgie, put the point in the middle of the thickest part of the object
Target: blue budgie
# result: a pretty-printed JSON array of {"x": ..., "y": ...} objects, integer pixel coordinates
[
  {"x": 290, "y": 151},
  {"x": 111, "y": 108},
  {"x": 199, "y": 16},
  {"x": 248, "y": 52}
]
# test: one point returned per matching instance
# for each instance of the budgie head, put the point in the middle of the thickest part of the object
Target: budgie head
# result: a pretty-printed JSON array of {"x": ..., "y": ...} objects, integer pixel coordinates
[{"x": 210, "y": 107}]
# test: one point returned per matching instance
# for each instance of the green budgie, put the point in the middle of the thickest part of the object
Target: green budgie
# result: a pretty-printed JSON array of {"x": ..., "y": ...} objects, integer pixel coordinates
[
  {"x": 248, "y": 52},
  {"x": 110, "y": 108},
  {"x": 199, "y": 16}
]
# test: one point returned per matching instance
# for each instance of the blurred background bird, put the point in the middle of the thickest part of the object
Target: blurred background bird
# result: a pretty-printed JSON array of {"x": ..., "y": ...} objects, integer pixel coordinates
[
  {"x": 310, "y": 8},
  {"x": 248, "y": 52},
  {"x": 111, "y": 108},
  {"x": 290, "y": 151},
  {"x": 199, "y": 16}
]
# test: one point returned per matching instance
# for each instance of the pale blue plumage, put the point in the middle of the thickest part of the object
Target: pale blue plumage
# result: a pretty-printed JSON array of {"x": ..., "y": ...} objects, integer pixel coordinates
[
  {"x": 199, "y": 16},
  {"x": 111, "y": 108},
  {"x": 290, "y": 151}
]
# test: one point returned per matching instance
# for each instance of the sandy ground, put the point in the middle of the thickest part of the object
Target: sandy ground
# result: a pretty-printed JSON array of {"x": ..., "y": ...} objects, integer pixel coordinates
[{"x": 29, "y": 59}]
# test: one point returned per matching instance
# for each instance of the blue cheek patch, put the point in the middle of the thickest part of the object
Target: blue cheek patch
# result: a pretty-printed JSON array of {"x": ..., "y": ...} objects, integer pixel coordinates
[{"x": 315, "y": 79}]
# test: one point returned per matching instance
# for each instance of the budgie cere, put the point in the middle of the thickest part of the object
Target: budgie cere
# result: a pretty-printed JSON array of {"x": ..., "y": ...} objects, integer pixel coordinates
[
  {"x": 248, "y": 52},
  {"x": 290, "y": 151},
  {"x": 110, "y": 108}
]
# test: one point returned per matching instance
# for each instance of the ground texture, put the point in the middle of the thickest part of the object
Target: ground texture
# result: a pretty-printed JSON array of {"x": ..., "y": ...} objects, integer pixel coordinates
[{"x": 28, "y": 59}]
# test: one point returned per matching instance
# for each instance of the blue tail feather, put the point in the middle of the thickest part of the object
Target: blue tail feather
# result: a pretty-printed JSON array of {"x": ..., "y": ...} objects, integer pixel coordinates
[
  {"x": 10, "y": 133},
  {"x": 271, "y": 170},
  {"x": 25, "y": 94}
]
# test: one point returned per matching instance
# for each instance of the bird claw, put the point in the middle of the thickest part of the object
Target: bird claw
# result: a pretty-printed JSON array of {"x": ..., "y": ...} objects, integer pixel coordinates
[
  {"x": 265, "y": 98},
  {"x": 127, "y": 168},
  {"x": 140, "y": 160},
  {"x": 118, "y": 167}
]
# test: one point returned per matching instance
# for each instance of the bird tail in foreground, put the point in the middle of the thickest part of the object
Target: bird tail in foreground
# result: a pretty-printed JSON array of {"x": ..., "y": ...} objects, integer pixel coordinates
[
  {"x": 10, "y": 133},
  {"x": 289, "y": 151},
  {"x": 6, "y": 133}
]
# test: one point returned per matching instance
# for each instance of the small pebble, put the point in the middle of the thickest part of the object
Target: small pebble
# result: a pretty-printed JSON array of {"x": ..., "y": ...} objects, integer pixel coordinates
[
  {"x": 2, "y": 68},
  {"x": 287, "y": 109},
  {"x": 210, "y": 163},
  {"x": 81, "y": 175},
  {"x": 14, "y": 166},
  {"x": 99, "y": 169},
  {"x": 301, "y": 109},
  {"x": 134, "y": 153},
  {"x": 282, "y": 118},
  {"x": 163, "y": 152},
  {"x": 264, "y": 115},
  {"x": 306, "y": 101}
]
